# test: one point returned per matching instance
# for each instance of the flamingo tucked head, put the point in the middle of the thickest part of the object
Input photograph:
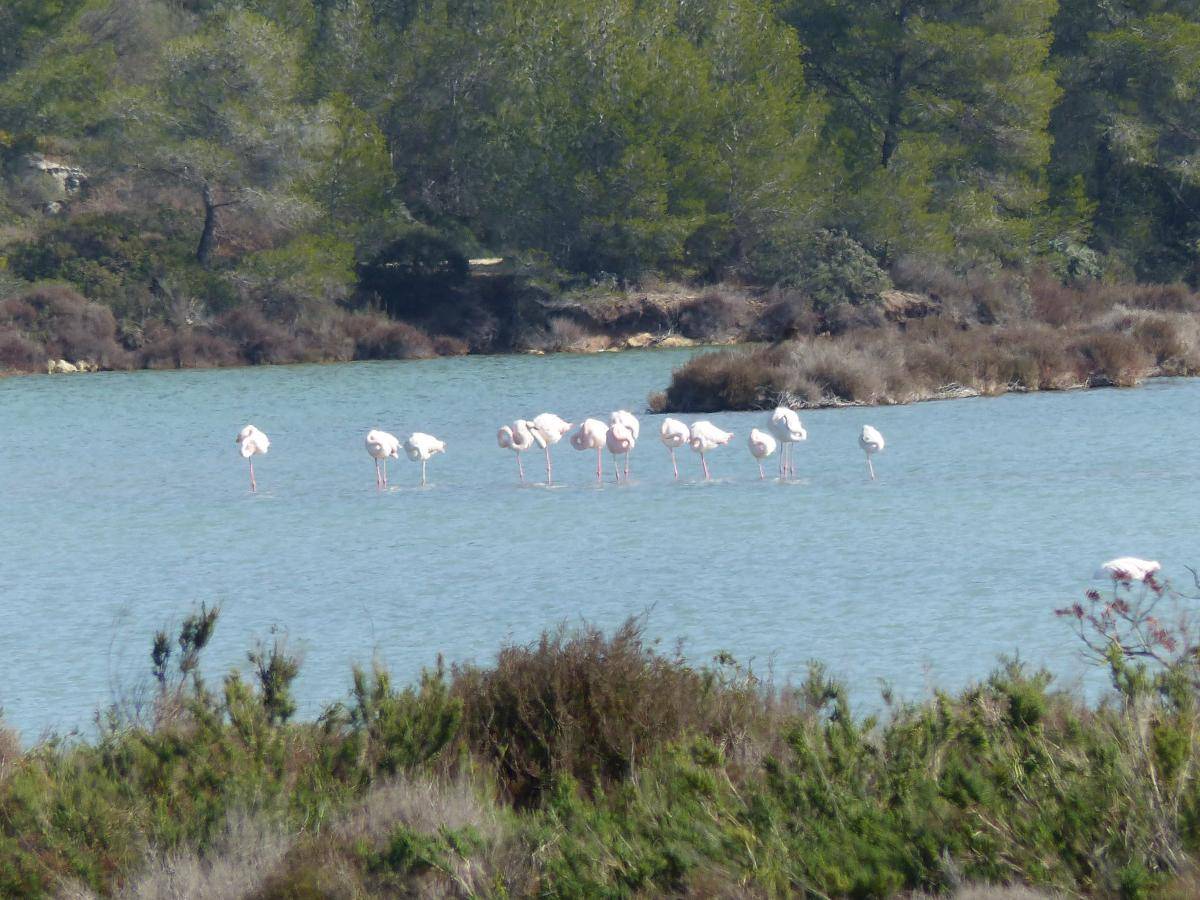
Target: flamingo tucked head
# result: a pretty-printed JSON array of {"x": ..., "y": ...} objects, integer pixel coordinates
[
  {"x": 591, "y": 435},
  {"x": 381, "y": 444},
  {"x": 549, "y": 429},
  {"x": 870, "y": 440},
  {"x": 786, "y": 426},
  {"x": 619, "y": 439},
  {"x": 421, "y": 446},
  {"x": 761, "y": 444},
  {"x": 628, "y": 419},
  {"x": 674, "y": 433},
  {"x": 707, "y": 436},
  {"x": 251, "y": 441},
  {"x": 1128, "y": 569}
]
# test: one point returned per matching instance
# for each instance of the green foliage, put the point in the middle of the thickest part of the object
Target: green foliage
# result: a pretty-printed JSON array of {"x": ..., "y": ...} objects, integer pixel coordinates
[
  {"x": 752, "y": 790},
  {"x": 252, "y": 169},
  {"x": 398, "y": 730},
  {"x": 833, "y": 268}
]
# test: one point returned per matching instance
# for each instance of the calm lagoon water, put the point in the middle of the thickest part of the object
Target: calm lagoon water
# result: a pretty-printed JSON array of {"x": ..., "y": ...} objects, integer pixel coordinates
[{"x": 123, "y": 503}]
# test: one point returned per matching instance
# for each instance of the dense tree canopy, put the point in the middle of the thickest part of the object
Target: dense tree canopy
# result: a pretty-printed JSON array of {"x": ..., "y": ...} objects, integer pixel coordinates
[{"x": 246, "y": 145}]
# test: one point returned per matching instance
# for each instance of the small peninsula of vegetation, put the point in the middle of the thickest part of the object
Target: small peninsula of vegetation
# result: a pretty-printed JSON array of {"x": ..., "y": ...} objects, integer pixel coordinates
[
  {"x": 901, "y": 188},
  {"x": 587, "y": 765}
]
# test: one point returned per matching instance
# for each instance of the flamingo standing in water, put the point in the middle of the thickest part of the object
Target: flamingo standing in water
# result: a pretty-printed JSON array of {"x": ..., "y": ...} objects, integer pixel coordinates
[
  {"x": 705, "y": 437},
  {"x": 675, "y": 435},
  {"x": 872, "y": 442},
  {"x": 252, "y": 442},
  {"x": 785, "y": 425},
  {"x": 620, "y": 439},
  {"x": 421, "y": 446},
  {"x": 516, "y": 437},
  {"x": 548, "y": 429},
  {"x": 1127, "y": 569},
  {"x": 762, "y": 445},
  {"x": 629, "y": 420},
  {"x": 592, "y": 435},
  {"x": 381, "y": 445}
]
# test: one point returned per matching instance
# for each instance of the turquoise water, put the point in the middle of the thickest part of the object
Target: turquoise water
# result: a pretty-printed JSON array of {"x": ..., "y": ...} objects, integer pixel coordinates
[{"x": 123, "y": 502}]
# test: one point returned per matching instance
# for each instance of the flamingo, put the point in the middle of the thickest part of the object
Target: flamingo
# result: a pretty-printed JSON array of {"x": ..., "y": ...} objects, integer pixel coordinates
[
  {"x": 592, "y": 435},
  {"x": 675, "y": 435},
  {"x": 252, "y": 442},
  {"x": 421, "y": 446},
  {"x": 548, "y": 429},
  {"x": 762, "y": 445},
  {"x": 518, "y": 437},
  {"x": 620, "y": 439},
  {"x": 785, "y": 425},
  {"x": 705, "y": 437},
  {"x": 381, "y": 445},
  {"x": 629, "y": 420},
  {"x": 872, "y": 442},
  {"x": 1127, "y": 569}
]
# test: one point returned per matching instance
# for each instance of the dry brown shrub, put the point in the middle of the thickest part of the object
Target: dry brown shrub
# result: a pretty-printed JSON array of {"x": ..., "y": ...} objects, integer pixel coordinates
[
  {"x": 785, "y": 314},
  {"x": 447, "y": 345},
  {"x": 258, "y": 339},
  {"x": 589, "y": 705},
  {"x": 69, "y": 326},
  {"x": 711, "y": 316},
  {"x": 19, "y": 353},
  {"x": 564, "y": 334},
  {"x": 1058, "y": 304},
  {"x": 235, "y": 865},
  {"x": 378, "y": 337},
  {"x": 166, "y": 348},
  {"x": 1114, "y": 358},
  {"x": 1159, "y": 336}
]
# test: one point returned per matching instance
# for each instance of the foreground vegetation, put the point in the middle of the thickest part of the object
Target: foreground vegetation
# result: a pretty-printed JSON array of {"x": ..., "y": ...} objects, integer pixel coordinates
[
  {"x": 593, "y": 765},
  {"x": 211, "y": 182}
]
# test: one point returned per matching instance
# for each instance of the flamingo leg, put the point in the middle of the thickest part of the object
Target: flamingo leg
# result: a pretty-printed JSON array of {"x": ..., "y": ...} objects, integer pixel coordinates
[
  {"x": 627, "y": 455},
  {"x": 253, "y": 485},
  {"x": 761, "y": 474},
  {"x": 674, "y": 465},
  {"x": 422, "y": 473},
  {"x": 520, "y": 467},
  {"x": 549, "y": 468},
  {"x": 378, "y": 480},
  {"x": 870, "y": 467},
  {"x": 598, "y": 461},
  {"x": 704, "y": 463},
  {"x": 385, "y": 472}
]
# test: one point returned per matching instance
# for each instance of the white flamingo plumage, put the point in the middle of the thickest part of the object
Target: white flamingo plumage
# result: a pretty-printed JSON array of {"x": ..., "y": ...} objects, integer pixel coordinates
[
  {"x": 706, "y": 437},
  {"x": 421, "y": 446},
  {"x": 762, "y": 445},
  {"x": 517, "y": 437},
  {"x": 548, "y": 429},
  {"x": 674, "y": 434},
  {"x": 251, "y": 443},
  {"x": 1127, "y": 569},
  {"x": 787, "y": 429},
  {"x": 620, "y": 440},
  {"x": 381, "y": 445},
  {"x": 872, "y": 442},
  {"x": 629, "y": 420},
  {"x": 591, "y": 435}
]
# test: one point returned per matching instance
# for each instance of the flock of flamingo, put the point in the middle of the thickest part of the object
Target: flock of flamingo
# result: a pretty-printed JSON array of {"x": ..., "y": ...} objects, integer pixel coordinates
[{"x": 619, "y": 437}]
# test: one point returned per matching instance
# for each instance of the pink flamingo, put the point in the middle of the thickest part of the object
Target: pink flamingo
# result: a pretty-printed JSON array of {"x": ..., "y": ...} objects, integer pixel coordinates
[
  {"x": 251, "y": 443},
  {"x": 592, "y": 435}
]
